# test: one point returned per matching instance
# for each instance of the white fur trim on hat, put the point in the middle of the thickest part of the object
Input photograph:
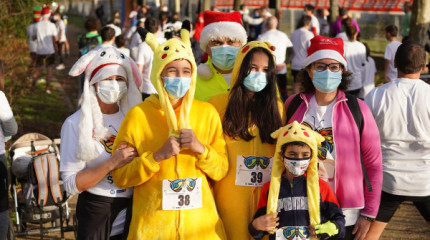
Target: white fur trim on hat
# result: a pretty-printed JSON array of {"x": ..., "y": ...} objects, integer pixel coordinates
[
  {"x": 222, "y": 30},
  {"x": 327, "y": 53},
  {"x": 108, "y": 71}
]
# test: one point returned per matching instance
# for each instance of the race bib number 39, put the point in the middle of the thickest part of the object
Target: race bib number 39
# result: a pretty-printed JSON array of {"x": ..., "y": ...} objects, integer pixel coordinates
[
  {"x": 292, "y": 233},
  {"x": 253, "y": 171},
  {"x": 182, "y": 194}
]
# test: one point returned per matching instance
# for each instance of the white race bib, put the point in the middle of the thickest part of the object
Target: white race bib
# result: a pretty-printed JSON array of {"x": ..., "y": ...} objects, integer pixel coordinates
[
  {"x": 182, "y": 194},
  {"x": 253, "y": 171},
  {"x": 293, "y": 233}
]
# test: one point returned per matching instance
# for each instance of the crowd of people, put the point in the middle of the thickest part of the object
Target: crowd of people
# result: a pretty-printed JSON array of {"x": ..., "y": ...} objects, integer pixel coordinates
[{"x": 186, "y": 130}]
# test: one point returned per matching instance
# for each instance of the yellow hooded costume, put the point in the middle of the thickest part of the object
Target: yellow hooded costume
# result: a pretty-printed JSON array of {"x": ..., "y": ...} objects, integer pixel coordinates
[
  {"x": 291, "y": 133},
  {"x": 147, "y": 127},
  {"x": 236, "y": 196}
]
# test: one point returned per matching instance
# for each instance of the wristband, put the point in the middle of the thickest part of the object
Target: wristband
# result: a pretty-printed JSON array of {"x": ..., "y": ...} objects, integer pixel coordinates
[{"x": 370, "y": 219}]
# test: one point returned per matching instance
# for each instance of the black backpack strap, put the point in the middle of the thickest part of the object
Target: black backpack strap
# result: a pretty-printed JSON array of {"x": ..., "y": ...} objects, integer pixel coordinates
[
  {"x": 294, "y": 105},
  {"x": 354, "y": 107}
]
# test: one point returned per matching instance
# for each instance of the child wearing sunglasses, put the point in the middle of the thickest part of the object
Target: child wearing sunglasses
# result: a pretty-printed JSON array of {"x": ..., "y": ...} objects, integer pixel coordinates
[{"x": 296, "y": 204}]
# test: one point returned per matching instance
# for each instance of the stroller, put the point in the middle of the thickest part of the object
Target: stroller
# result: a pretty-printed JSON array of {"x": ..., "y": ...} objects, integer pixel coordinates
[{"x": 37, "y": 189}]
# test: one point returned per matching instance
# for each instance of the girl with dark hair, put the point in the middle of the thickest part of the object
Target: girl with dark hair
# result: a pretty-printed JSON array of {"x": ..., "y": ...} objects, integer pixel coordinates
[
  {"x": 350, "y": 155},
  {"x": 250, "y": 112}
]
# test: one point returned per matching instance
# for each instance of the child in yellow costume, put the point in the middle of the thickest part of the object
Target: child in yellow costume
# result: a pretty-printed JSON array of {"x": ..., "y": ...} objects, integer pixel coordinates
[
  {"x": 250, "y": 112},
  {"x": 180, "y": 146},
  {"x": 296, "y": 204}
]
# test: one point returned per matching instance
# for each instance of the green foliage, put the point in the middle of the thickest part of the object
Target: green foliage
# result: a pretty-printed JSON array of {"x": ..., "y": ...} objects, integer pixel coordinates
[{"x": 15, "y": 16}]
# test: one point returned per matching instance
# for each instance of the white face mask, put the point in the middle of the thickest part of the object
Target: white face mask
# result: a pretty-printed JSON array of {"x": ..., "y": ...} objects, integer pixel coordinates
[
  {"x": 111, "y": 91},
  {"x": 297, "y": 166}
]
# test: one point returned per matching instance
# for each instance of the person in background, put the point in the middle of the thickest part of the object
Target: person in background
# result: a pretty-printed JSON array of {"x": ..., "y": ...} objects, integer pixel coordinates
[
  {"x": 315, "y": 24},
  {"x": 61, "y": 39},
  {"x": 8, "y": 127},
  {"x": 283, "y": 47},
  {"x": 322, "y": 15},
  {"x": 45, "y": 33},
  {"x": 324, "y": 107},
  {"x": 221, "y": 39},
  {"x": 249, "y": 112},
  {"x": 368, "y": 74},
  {"x": 336, "y": 27},
  {"x": 145, "y": 57},
  {"x": 87, "y": 136},
  {"x": 120, "y": 44},
  {"x": 401, "y": 110},
  {"x": 195, "y": 46},
  {"x": 100, "y": 13},
  {"x": 31, "y": 43},
  {"x": 247, "y": 20},
  {"x": 390, "y": 72},
  {"x": 301, "y": 39},
  {"x": 108, "y": 38},
  {"x": 355, "y": 54},
  {"x": 198, "y": 26},
  {"x": 406, "y": 21},
  {"x": 136, "y": 39}
]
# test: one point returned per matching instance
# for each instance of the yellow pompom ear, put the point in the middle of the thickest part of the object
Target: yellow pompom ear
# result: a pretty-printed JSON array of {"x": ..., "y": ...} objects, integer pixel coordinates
[
  {"x": 152, "y": 41},
  {"x": 185, "y": 36}
]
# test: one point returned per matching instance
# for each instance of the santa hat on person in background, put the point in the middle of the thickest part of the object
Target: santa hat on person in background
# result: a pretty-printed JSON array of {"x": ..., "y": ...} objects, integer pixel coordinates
[
  {"x": 220, "y": 25},
  {"x": 98, "y": 65},
  {"x": 37, "y": 11},
  {"x": 46, "y": 12},
  {"x": 325, "y": 47}
]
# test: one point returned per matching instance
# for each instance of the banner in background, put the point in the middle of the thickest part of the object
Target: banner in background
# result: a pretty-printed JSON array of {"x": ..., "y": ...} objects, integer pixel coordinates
[{"x": 394, "y": 6}]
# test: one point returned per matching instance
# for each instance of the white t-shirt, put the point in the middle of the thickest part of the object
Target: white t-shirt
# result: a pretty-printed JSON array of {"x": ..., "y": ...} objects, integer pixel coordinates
[
  {"x": 125, "y": 51},
  {"x": 45, "y": 32},
  {"x": 319, "y": 118},
  {"x": 32, "y": 45},
  {"x": 368, "y": 77},
  {"x": 390, "y": 53},
  {"x": 7, "y": 121},
  {"x": 402, "y": 112},
  {"x": 315, "y": 24},
  {"x": 70, "y": 165},
  {"x": 144, "y": 57},
  {"x": 343, "y": 36},
  {"x": 134, "y": 45},
  {"x": 61, "y": 26},
  {"x": 301, "y": 39},
  {"x": 227, "y": 78},
  {"x": 355, "y": 54},
  {"x": 281, "y": 42}
]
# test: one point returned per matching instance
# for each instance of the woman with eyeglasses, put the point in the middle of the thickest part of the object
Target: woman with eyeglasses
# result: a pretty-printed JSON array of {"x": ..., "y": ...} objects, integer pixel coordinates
[{"x": 350, "y": 159}]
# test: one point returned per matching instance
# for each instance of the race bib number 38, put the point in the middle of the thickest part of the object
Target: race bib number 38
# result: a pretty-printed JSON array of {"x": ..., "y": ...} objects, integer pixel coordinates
[
  {"x": 182, "y": 194},
  {"x": 253, "y": 171}
]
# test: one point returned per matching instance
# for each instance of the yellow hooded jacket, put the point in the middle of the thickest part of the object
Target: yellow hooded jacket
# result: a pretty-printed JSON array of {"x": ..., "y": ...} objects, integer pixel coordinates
[
  {"x": 147, "y": 127},
  {"x": 238, "y": 204}
]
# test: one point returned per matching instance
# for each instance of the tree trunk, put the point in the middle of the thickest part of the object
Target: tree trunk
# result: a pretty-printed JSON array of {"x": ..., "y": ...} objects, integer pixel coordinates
[
  {"x": 236, "y": 5},
  {"x": 334, "y": 10},
  {"x": 206, "y": 5},
  {"x": 420, "y": 21}
]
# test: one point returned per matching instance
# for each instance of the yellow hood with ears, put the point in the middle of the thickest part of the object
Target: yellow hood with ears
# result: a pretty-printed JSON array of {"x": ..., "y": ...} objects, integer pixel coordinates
[
  {"x": 165, "y": 53},
  {"x": 244, "y": 50},
  {"x": 291, "y": 133}
]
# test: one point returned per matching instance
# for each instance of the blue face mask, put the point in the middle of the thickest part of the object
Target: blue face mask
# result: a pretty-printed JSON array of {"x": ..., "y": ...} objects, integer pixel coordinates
[
  {"x": 176, "y": 87},
  {"x": 224, "y": 56},
  {"x": 255, "y": 81},
  {"x": 326, "y": 81}
]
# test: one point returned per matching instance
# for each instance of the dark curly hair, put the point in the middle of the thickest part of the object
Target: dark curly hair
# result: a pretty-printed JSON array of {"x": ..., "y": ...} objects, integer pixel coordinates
[{"x": 308, "y": 86}]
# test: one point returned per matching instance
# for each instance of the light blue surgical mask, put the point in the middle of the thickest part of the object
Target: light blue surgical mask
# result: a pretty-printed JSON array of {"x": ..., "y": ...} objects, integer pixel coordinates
[
  {"x": 255, "y": 81},
  {"x": 176, "y": 87},
  {"x": 223, "y": 56},
  {"x": 326, "y": 81}
]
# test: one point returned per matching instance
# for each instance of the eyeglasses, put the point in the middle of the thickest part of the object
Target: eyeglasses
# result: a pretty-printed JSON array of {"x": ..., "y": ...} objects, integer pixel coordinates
[{"x": 334, "y": 67}]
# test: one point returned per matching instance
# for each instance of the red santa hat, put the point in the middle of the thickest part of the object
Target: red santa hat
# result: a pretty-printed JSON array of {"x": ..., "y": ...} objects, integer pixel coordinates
[
  {"x": 36, "y": 13},
  {"x": 220, "y": 25},
  {"x": 46, "y": 12},
  {"x": 325, "y": 47}
]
